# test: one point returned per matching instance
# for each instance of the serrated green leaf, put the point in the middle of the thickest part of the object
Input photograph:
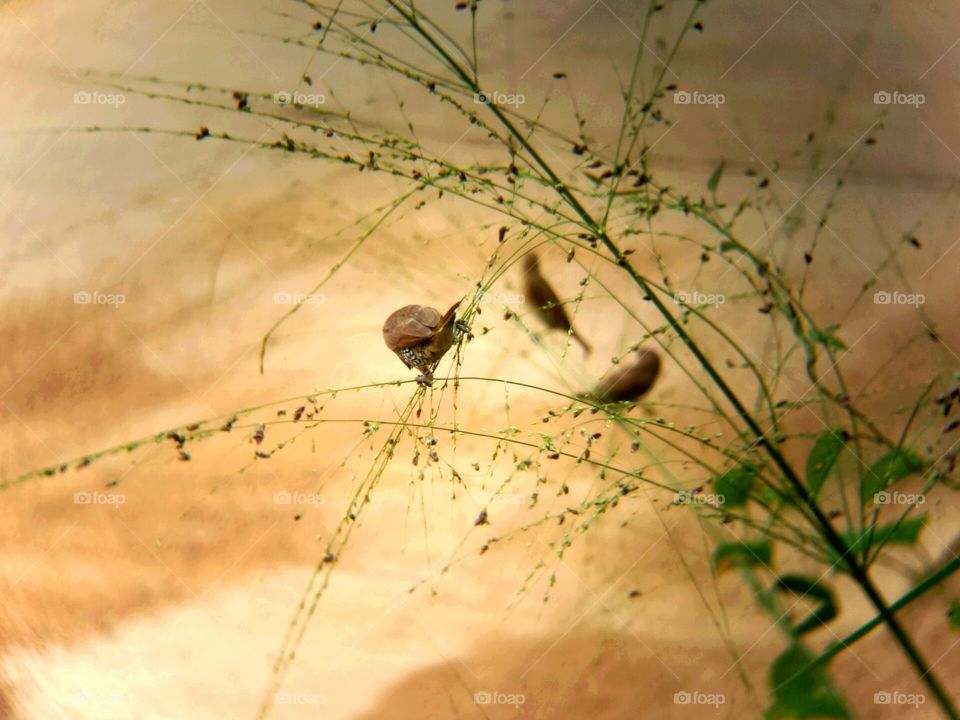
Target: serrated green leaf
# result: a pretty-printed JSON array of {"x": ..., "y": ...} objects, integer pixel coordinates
[
  {"x": 800, "y": 691},
  {"x": 822, "y": 458},
  {"x": 895, "y": 465},
  {"x": 714, "y": 180},
  {"x": 729, "y": 555},
  {"x": 810, "y": 589},
  {"x": 906, "y": 532},
  {"x": 734, "y": 485}
]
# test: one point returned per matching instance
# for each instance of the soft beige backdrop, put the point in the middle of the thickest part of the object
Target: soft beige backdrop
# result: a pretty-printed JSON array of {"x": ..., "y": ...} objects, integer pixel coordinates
[{"x": 174, "y": 604}]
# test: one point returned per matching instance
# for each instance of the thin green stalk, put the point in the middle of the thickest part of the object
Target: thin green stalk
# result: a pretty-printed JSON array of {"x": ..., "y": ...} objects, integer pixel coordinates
[{"x": 833, "y": 538}]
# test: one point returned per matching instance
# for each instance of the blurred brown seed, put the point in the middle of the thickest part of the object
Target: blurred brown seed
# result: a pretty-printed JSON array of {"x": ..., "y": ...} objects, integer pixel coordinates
[
  {"x": 545, "y": 301},
  {"x": 421, "y": 336},
  {"x": 628, "y": 383}
]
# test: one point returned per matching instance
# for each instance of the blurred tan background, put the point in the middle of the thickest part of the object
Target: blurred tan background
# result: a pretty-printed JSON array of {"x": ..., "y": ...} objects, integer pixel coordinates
[{"x": 173, "y": 603}]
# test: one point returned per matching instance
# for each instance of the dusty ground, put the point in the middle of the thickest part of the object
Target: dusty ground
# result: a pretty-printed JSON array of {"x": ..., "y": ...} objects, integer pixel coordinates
[{"x": 173, "y": 604}]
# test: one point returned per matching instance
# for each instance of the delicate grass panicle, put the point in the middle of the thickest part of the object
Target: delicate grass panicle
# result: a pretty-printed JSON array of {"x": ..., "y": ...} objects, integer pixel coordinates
[{"x": 789, "y": 508}]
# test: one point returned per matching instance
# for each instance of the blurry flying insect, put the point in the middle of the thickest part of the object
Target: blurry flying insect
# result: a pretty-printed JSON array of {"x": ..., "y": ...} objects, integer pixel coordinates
[
  {"x": 631, "y": 382},
  {"x": 482, "y": 518},
  {"x": 420, "y": 336},
  {"x": 258, "y": 434},
  {"x": 545, "y": 301}
]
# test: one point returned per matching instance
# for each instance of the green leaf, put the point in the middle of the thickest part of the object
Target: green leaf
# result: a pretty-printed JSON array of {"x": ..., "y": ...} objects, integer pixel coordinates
[
  {"x": 809, "y": 588},
  {"x": 828, "y": 337},
  {"x": 895, "y": 465},
  {"x": 953, "y": 615},
  {"x": 734, "y": 485},
  {"x": 729, "y": 555},
  {"x": 800, "y": 691},
  {"x": 714, "y": 180},
  {"x": 822, "y": 458},
  {"x": 906, "y": 532}
]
